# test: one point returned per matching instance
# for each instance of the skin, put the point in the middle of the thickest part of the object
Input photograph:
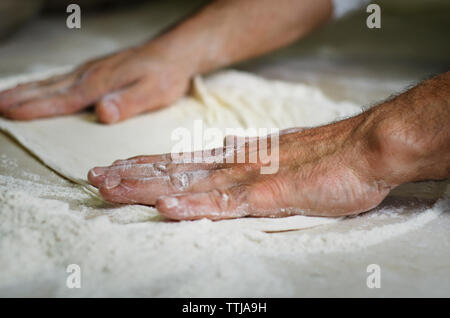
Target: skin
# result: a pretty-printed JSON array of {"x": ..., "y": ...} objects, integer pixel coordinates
[
  {"x": 339, "y": 169},
  {"x": 344, "y": 168},
  {"x": 157, "y": 73}
]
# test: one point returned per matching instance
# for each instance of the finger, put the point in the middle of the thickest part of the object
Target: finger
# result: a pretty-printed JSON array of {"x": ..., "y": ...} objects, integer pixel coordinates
[
  {"x": 156, "y": 169},
  {"x": 32, "y": 90},
  {"x": 265, "y": 197},
  {"x": 56, "y": 105},
  {"x": 80, "y": 95},
  {"x": 85, "y": 88},
  {"x": 206, "y": 156},
  {"x": 130, "y": 169},
  {"x": 147, "y": 189},
  {"x": 156, "y": 165},
  {"x": 139, "y": 190},
  {"x": 292, "y": 130},
  {"x": 97, "y": 175},
  {"x": 144, "y": 159},
  {"x": 215, "y": 204},
  {"x": 127, "y": 103}
]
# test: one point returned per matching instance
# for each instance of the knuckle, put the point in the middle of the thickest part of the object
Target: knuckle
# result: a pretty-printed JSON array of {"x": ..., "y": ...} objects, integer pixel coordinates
[
  {"x": 179, "y": 182},
  {"x": 221, "y": 199}
]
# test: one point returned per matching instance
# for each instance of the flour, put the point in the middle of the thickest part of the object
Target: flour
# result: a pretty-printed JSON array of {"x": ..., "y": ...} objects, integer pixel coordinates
[
  {"x": 41, "y": 236},
  {"x": 131, "y": 250},
  {"x": 7, "y": 162}
]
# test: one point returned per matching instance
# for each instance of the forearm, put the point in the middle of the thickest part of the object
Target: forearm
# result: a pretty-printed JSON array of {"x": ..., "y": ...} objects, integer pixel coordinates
[
  {"x": 229, "y": 31},
  {"x": 410, "y": 134}
]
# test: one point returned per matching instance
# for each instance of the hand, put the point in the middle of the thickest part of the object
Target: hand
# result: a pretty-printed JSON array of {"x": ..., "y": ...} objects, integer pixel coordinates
[
  {"x": 343, "y": 168},
  {"x": 120, "y": 85},
  {"x": 157, "y": 73},
  {"x": 323, "y": 171}
]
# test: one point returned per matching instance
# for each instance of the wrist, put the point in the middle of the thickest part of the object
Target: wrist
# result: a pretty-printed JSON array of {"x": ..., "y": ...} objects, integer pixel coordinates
[
  {"x": 169, "y": 55},
  {"x": 399, "y": 151}
]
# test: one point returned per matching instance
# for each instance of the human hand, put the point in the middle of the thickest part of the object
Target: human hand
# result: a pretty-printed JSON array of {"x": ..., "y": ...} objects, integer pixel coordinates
[
  {"x": 120, "y": 85},
  {"x": 323, "y": 171}
]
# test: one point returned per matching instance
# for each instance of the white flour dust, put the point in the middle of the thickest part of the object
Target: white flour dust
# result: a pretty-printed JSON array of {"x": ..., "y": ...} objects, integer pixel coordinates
[{"x": 45, "y": 227}]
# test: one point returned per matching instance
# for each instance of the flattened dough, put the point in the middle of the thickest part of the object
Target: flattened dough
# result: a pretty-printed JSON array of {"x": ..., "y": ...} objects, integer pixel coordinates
[{"x": 72, "y": 145}]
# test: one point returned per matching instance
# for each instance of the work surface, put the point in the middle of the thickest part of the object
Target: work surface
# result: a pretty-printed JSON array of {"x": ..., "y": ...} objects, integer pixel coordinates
[{"x": 411, "y": 248}]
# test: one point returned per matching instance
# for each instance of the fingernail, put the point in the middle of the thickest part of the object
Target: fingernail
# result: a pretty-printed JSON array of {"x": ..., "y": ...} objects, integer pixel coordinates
[
  {"x": 95, "y": 172},
  {"x": 170, "y": 202},
  {"x": 112, "y": 182},
  {"x": 110, "y": 106},
  {"x": 113, "y": 112}
]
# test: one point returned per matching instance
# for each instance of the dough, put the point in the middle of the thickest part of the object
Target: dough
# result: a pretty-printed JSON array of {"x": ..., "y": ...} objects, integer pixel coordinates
[{"x": 72, "y": 145}]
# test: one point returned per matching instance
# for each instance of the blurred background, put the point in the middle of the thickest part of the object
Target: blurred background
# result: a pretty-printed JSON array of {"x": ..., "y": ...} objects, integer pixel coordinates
[{"x": 345, "y": 58}]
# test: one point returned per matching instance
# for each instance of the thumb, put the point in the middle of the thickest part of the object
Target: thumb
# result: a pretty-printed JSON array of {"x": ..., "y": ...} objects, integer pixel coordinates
[{"x": 126, "y": 103}]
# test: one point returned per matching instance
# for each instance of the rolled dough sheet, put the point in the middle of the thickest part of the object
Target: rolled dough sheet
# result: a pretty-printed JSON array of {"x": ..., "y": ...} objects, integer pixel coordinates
[{"x": 71, "y": 145}]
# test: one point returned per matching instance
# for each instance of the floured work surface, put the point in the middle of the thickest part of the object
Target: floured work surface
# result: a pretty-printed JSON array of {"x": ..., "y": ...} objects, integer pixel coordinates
[{"x": 46, "y": 224}]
